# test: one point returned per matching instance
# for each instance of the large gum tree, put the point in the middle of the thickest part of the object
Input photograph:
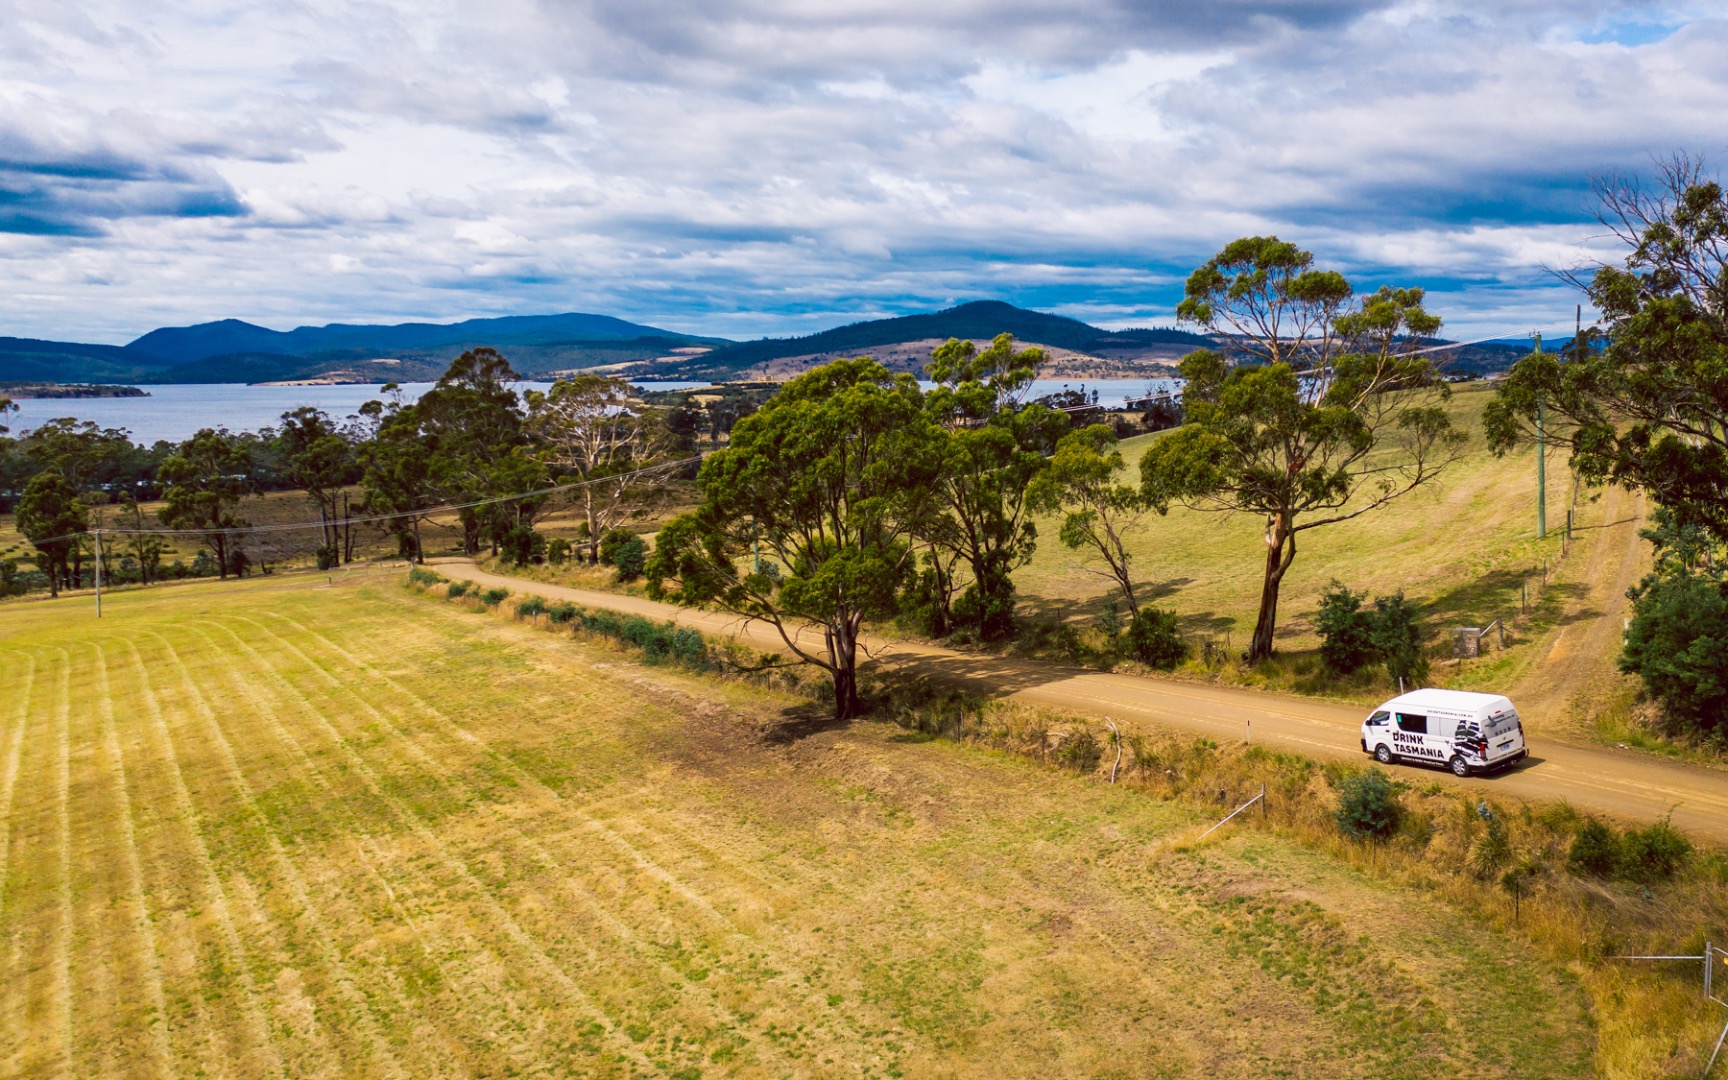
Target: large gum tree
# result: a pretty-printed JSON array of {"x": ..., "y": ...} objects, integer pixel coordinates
[
  {"x": 1320, "y": 406},
  {"x": 807, "y": 515}
]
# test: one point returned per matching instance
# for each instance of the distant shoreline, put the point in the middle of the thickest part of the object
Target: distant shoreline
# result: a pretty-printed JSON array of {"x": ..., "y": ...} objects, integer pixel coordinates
[{"x": 50, "y": 391}]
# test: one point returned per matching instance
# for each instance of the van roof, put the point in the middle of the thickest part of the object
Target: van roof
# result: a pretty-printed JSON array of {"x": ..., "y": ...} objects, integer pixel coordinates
[{"x": 1463, "y": 701}]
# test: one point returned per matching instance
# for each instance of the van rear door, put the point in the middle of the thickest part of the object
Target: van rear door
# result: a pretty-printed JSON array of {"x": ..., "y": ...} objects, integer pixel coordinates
[{"x": 1504, "y": 735}]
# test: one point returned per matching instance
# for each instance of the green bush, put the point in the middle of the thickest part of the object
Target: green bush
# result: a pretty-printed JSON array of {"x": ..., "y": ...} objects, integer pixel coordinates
[
  {"x": 1080, "y": 752},
  {"x": 558, "y": 551},
  {"x": 1654, "y": 852},
  {"x": 521, "y": 546},
  {"x": 494, "y": 597},
  {"x": 561, "y": 614},
  {"x": 423, "y": 578},
  {"x": 1368, "y": 807},
  {"x": 457, "y": 589},
  {"x": 1595, "y": 851},
  {"x": 1678, "y": 644},
  {"x": 329, "y": 557},
  {"x": 529, "y": 608},
  {"x": 625, "y": 551},
  {"x": 1152, "y": 639},
  {"x": 1346, "y": 630},
  {"x": 1397, "y": 637}
]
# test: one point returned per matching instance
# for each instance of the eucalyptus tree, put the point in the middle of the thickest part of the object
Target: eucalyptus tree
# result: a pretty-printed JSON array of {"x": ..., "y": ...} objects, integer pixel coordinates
[
  {"x": 995, "y": 445},
  {"x": 203, "y": 481},
  {"x": 1334, "y": 410},
  {"x": 593, "y": 433},
  {"x": 1643, "y": 400},
  {"x": 1099, "y": 512},
  {"x": 316, "y": 458},
  {"x": 53, "y": 518},
  {"x": 827, "y": 481}
]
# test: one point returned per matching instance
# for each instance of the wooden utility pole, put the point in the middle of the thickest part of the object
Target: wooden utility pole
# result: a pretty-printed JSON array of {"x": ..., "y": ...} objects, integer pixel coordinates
[{"x": 1541, "y": 457}]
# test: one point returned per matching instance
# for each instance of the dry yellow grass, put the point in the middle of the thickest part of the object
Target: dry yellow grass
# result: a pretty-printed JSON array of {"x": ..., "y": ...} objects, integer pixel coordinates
[{"x": 273, "y": 829}]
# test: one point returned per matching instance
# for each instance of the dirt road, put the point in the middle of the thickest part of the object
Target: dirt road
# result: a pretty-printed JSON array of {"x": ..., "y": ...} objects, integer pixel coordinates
[
  {"x": 1621, "y": 783},
  {"x": 1567, "y": 682}
]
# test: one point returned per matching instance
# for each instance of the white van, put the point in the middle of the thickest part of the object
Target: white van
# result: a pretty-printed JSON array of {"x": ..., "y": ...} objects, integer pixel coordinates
[{"x": 1465, "y": 732}]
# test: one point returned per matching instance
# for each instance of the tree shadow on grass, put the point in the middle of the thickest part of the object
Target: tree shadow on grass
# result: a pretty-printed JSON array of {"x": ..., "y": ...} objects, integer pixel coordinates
[
  {"x": 799, "y": 722},
  {"x": 1053, "y": 609}
]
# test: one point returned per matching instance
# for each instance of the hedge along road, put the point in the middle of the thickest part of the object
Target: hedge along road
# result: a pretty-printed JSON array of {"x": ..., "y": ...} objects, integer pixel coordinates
[{"x": 1622, "y": 783}]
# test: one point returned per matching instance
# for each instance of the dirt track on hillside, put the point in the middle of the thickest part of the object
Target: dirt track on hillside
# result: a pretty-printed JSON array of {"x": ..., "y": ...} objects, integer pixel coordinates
[
  {"x": 1560, "y": 690},
  {"x": 1620, "y": 783}
]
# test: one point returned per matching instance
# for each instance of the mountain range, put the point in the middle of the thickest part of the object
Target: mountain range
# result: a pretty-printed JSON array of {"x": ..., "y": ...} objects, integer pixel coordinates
[{"x": 232, "y": 351}]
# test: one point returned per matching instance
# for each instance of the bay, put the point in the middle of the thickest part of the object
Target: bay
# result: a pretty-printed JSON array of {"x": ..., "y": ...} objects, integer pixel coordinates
[{"x": 176, "y": 412}]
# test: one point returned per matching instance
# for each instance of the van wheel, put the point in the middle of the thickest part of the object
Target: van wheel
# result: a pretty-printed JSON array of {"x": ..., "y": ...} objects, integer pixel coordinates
[
  {"x": 1383, "y": 754},
  {"x": 1459, "y": 766}
]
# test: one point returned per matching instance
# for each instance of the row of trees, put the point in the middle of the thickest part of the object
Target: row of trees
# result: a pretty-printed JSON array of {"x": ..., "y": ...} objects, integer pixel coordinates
[
  {"x": 471, "y": 441},
  {"x": 872, "y": 498}
]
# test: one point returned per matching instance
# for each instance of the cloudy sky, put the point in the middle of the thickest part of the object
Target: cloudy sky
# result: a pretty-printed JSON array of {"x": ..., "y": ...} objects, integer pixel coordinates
[{"x": 748, "y": 167}]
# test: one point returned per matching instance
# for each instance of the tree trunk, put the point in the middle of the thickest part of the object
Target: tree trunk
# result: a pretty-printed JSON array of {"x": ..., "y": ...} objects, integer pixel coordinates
[
  {"x": 1280, "y": 552},
  {"x": 843, "y": 649}
]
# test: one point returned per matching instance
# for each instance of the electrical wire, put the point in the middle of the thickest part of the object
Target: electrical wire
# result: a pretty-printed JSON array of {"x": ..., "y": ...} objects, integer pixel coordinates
[{"x": 445, "y": 508}]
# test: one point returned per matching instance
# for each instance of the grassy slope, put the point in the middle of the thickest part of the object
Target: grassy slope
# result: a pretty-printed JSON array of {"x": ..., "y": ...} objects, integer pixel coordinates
[
  {"x": 1462, "y": 546},
  {"x": 264, "y": 828}
]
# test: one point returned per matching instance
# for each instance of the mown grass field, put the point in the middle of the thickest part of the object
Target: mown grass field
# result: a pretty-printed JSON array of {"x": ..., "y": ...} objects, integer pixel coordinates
[{"x": 274, "y": 829}]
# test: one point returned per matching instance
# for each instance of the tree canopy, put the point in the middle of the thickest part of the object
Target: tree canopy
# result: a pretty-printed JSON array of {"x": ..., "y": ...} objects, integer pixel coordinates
[
  {"x": 824, "y": 481},
  {"x": 1336, "y": 412},
  {"x": 203, "y": 481},
  {"x": 1643, "y": 400}
]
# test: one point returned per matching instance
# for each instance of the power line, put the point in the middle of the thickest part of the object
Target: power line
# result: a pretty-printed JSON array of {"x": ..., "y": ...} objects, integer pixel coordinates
[{"x": 245, "y": 530}]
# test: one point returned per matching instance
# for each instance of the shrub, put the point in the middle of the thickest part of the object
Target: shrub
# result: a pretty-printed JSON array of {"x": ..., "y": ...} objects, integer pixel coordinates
[
  {"x": 625, "y": 551},
  {"x": 457, "y": 589},
  {"x": 558, "y": 551},
  {"x": 1655, "y": 852},
  {"x": 494, "y": 597},
  {"x": 329, "y": 557},
  {"x": 1397, "y": 636},
  {"x": 1080, "y": 752},
  {"x": 561, "y": 614},
  {"x": 1678, "y": 644},
  {"x": 1368, "y": 807},
  {"x": 1346, "y": 630},
  {"x": 423, "y": 578},
  {"x": 521, "y": 545},
  {"x": 1152, "y": 639},
  {"x": 529, "y": 608},
  {"x": 1492, "y": 850},
  {"x": 1595, "y": 851}
]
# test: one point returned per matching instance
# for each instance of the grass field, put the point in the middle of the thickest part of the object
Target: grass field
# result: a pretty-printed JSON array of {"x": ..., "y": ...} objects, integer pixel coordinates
[{"x": 272, "y": 829}]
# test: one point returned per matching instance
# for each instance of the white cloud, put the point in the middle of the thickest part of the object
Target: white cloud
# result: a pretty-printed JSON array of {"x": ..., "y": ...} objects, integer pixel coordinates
[{"x": 782, "y": 165}]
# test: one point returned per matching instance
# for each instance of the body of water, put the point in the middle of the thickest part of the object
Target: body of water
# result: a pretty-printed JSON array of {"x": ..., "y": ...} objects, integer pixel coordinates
[{"x": 176, "y": 412}]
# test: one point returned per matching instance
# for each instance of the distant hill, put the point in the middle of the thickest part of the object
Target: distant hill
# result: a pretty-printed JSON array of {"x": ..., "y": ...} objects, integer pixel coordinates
[
  {"x": 28, "y": 360},
  {"x": 185, "y": 344},
  {"x": 979, "y": 319}
]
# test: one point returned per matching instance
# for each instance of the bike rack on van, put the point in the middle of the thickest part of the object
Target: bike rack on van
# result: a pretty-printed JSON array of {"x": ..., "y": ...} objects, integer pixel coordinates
[{"x": 1711, "y": 993}]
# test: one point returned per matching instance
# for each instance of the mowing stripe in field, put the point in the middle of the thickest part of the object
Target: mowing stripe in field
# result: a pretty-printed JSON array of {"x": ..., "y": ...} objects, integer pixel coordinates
[
  {"x": 564, "y": 874},
  {"x": 157, "y": 1017},
  {"x": 63, "y": 818},
  {"x": 462, "y": 869},
  {"x": 478, "y": 1005},
  {"x": 253, "y": 1016},
  {"x": 369, "y": 675},
  {"x": 9, "y": 778},
  {"x": 357, "y": 1010}
]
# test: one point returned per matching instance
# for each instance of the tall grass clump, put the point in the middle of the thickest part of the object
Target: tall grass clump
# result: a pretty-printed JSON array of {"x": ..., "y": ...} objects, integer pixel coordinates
[{"x": 423, "y": 579}]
